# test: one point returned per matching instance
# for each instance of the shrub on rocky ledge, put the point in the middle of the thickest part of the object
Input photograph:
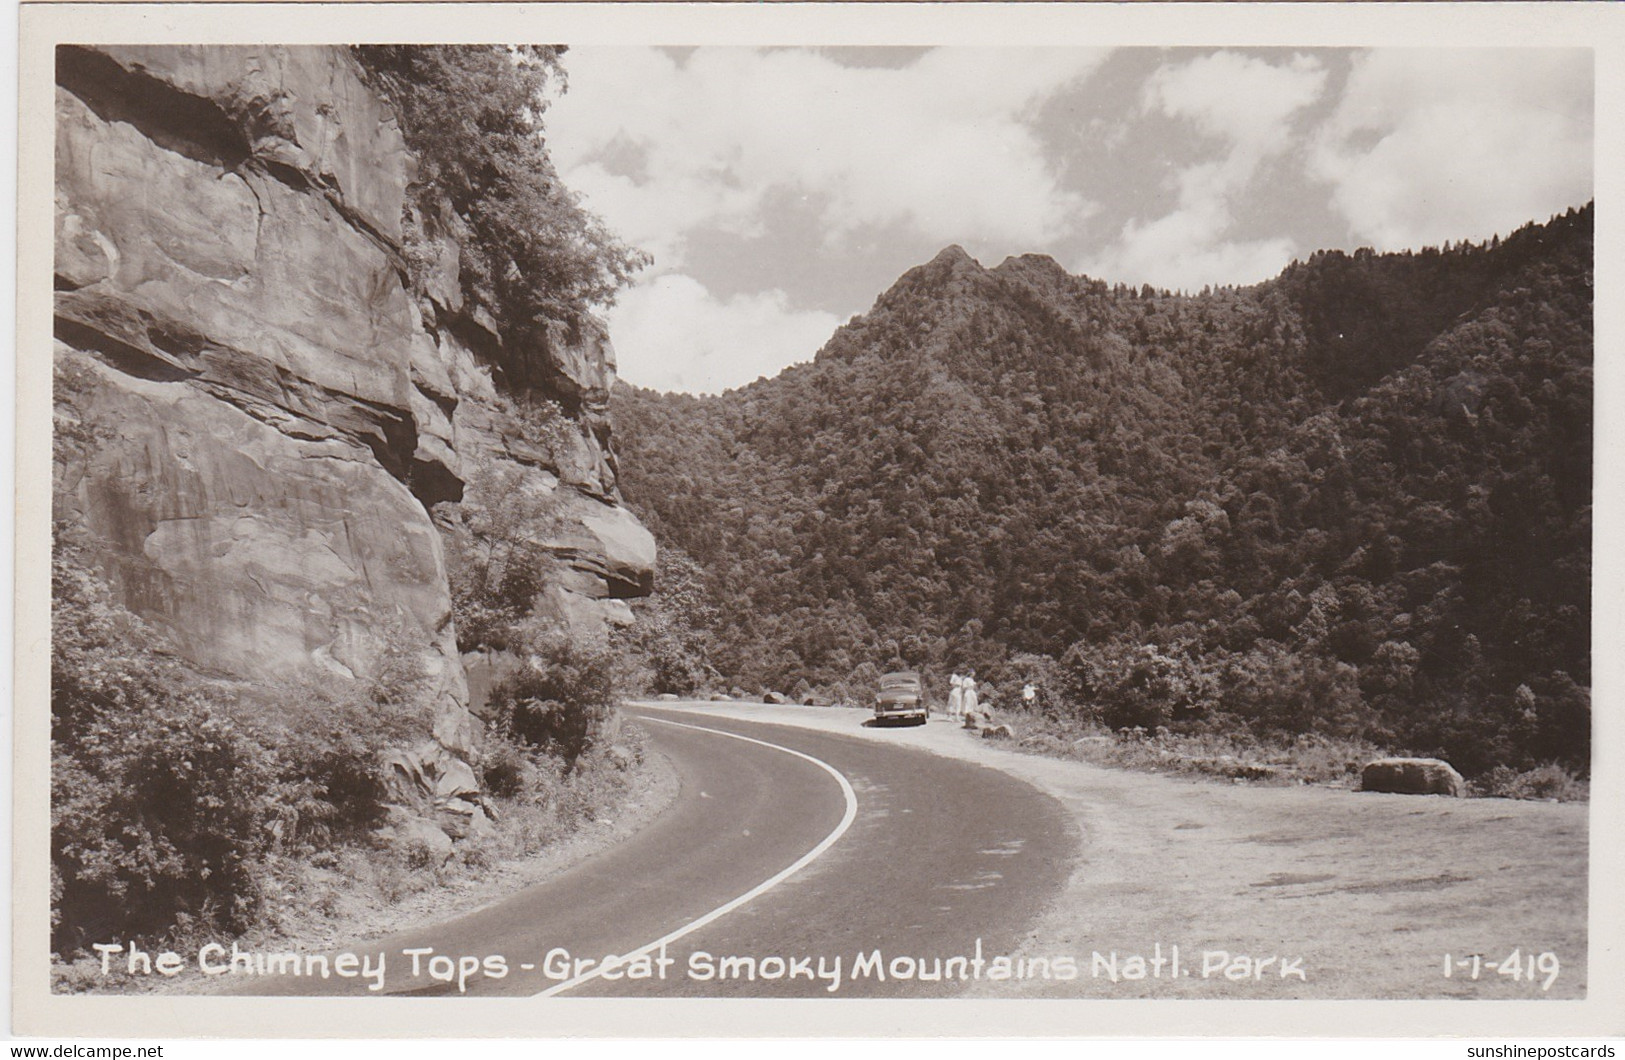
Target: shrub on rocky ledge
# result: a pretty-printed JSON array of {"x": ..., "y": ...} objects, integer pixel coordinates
[{"x": 563, "y": 699}]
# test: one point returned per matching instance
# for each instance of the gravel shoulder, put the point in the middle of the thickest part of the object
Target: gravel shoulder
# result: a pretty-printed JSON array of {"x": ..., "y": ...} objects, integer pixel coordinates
[{"x": 1367, "y": 892}]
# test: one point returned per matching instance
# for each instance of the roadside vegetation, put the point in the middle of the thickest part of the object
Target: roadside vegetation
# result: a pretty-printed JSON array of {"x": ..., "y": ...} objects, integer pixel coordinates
[
  {"x": 1306, "y": 759},
  {"x": 186, "y": 809}
]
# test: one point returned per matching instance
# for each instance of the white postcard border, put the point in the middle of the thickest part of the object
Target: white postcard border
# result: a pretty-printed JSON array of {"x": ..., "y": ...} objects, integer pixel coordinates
[{"x": 43, "y": 25}]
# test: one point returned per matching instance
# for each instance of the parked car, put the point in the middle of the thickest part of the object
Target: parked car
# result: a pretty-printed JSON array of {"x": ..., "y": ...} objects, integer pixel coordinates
[{"x": 901, "y": 698}]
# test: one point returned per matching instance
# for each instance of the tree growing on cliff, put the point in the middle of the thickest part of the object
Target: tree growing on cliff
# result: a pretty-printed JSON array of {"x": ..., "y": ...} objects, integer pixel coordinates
[
  {"x": 670, "y": 642},
  {"x": 472, "y": 117}
]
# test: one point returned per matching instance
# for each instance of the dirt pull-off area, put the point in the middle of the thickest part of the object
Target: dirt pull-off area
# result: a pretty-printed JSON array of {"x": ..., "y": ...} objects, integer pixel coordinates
[{"x": 1363, "y": 895}]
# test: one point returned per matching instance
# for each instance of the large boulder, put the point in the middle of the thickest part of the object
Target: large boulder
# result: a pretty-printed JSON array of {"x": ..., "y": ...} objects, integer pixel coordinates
[
  {"x": 461, "y": 818},
  {"x": 1412, "y": 776},
  {"x": 428, "y": 775}
]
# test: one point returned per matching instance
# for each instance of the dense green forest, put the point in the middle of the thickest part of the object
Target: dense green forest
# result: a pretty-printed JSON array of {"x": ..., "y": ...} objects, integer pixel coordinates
[{"x": 1353, "y": 500}]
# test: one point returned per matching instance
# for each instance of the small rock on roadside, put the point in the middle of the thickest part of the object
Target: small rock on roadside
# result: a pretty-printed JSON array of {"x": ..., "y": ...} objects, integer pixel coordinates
[{"x": 416, "y": 831}]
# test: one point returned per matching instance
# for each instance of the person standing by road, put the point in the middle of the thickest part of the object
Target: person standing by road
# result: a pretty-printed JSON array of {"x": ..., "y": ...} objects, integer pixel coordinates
[
  {"x": 968, "y": 702},
  {"x": 956, "y": 697}
]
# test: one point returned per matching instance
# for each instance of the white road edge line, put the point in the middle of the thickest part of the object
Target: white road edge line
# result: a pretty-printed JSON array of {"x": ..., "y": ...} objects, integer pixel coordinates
[{"x": 755, "y": 892}]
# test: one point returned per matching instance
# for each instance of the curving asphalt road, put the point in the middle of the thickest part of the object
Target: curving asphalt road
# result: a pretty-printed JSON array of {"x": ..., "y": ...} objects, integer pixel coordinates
[{"x": 801, "y": 852}]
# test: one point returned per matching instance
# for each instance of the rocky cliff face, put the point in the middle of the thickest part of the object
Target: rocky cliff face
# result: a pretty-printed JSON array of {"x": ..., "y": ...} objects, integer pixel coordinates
[{"x": 264, "y": 425}]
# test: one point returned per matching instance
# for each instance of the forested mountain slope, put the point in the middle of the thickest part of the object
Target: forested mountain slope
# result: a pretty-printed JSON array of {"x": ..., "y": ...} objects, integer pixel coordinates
[{"x": 1354, "y": 499}]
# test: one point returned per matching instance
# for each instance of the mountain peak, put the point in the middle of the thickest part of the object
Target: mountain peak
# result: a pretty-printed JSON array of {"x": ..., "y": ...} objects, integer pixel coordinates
[
  {"x": 1030, "y": 263},
  {"x": 1037, "y": 270},
  {"x": 952, "y": 270},
  {"x": 953, "y": 255}
]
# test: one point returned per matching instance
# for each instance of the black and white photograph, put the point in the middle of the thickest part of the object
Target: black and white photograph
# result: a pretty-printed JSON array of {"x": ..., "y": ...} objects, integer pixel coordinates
[{"x": 548, "y": 507}]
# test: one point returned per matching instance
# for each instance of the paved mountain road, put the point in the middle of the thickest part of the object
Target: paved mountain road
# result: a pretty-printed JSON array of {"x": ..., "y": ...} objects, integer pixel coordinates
[{"x": 915, "y": 855}]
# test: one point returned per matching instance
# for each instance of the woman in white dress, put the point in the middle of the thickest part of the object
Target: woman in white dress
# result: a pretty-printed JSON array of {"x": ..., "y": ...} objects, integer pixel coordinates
[
  {"x": 956, "y": 697},
  {"x": 967, "y": 701}
]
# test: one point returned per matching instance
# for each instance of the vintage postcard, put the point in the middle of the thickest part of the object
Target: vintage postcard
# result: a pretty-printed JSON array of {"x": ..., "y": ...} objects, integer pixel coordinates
[{"x": 731, "y": 520}]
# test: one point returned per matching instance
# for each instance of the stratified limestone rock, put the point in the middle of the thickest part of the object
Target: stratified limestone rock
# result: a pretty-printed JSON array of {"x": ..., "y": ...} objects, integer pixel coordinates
[
  {"x": 303, "y": 108},
  {"x": 265, "y": 404},
  {"x": 603, "y": 554},
  {"x": 574, "y": 364},
  {"x": 261, "y": 398},
  {"x": 611, "y": 545},
  {"x": 231, "y": 278},
  {"x": 260, "y": 554}
]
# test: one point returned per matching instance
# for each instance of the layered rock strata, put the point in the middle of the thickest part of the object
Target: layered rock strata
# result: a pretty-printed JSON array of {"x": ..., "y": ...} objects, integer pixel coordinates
[{"x": 264, "y": 424}]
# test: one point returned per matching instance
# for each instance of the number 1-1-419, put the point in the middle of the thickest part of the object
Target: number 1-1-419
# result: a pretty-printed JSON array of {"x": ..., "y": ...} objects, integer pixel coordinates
[{"x": 1517, "y": 966}]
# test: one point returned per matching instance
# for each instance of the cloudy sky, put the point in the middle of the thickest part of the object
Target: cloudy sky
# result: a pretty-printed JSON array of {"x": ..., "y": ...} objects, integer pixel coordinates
[{"x": 781, "y": 190}]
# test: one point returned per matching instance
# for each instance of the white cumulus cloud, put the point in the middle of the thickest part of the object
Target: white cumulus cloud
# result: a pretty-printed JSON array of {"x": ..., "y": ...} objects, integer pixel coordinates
[
  {"x": 1434, "y": 145},
  {"x": 1182, "y": 251},
  {"x": 672, "y": 334},
  {"x": 1246, "y": 105},
  {"x": 662, "y": 147},
  {"x": 1241, "y": 98}
]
